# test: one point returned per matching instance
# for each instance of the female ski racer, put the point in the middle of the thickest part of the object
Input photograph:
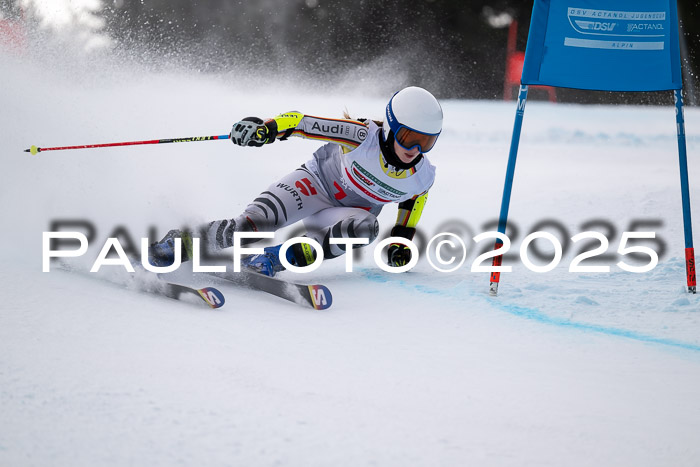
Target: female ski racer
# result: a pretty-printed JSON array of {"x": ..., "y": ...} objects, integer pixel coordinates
[{"x": 341, "y": 190}]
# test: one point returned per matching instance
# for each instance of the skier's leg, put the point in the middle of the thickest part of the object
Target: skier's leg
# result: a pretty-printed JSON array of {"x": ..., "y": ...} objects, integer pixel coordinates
[
  {"x": 340, "y": 222},
  {"x": 285, "y": 202},
  {"x": 335, "y": 222}
]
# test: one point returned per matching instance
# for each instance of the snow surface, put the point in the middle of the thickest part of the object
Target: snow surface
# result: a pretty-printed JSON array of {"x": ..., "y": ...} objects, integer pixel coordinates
[{"x": 422, "y": 368}]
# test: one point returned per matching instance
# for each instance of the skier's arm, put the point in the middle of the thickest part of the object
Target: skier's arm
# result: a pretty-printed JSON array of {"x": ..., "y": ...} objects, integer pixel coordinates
[
  {"x": 406, "y": 220},
  {"x": 252, "y": 131},
  {"x": 347, "y": 133}
]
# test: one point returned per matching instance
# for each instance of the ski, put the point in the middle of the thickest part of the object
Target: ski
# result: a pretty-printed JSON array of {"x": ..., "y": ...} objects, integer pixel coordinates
[
  {"x": 147, "y": 282},
  {"x": 316, "y": 296},
  {"x": 176, "y": 290},
  {"x": 211, "y": 296}
]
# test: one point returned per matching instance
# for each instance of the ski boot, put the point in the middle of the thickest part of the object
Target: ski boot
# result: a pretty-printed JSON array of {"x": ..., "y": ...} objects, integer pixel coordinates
[
  {"x": 269, "y": 264},
  {"x": 162, "y": 253}
]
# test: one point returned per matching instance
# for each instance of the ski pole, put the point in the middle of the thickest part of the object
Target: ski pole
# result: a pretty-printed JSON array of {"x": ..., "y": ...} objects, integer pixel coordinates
[{"x": 34, "y": 150}]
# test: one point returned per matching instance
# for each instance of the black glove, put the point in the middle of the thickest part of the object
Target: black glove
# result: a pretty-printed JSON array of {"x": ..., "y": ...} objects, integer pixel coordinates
[
  {"x": 399, "y": 255},
  {"x": 252, "y": 131}
]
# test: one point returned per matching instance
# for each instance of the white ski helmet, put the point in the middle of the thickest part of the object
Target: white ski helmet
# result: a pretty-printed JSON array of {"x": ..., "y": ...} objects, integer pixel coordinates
[{"x": 415, "y": 118}]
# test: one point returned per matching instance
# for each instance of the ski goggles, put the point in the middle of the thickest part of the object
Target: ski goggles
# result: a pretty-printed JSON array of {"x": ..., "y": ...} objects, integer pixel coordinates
[{"x": 409, "y": 139}]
